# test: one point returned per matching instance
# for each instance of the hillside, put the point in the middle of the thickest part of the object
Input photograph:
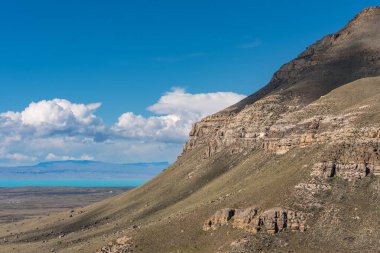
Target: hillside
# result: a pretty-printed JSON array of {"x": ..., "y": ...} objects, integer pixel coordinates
[{"x": 292, "y": 168}]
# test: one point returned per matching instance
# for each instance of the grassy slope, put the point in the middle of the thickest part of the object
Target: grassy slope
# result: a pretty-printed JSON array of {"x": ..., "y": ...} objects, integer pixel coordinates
[{"x": 172, "y": 207}]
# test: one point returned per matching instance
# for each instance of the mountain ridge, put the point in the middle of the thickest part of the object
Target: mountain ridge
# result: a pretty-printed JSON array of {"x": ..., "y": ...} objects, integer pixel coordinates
[
  {"x": 294, "y": 168},
  {"x": 285, "y": 74}
]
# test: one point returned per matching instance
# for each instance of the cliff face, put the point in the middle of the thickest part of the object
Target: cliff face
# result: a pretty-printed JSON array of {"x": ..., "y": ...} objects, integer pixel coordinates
[
  {"x": 276, "y": 124},
  {"x": 283, "y": 114}
]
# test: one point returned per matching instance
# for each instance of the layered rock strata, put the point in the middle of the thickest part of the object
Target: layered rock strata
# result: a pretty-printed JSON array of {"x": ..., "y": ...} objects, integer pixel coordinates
[
  {"x": 291, "y": 111},
  {"x": 252, "y": 220}
]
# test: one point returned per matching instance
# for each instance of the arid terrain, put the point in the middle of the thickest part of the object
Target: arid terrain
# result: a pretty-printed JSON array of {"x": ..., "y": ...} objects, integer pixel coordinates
[
  {"x": 28, "y": 202},
  {"x": 292, "y": 168}
]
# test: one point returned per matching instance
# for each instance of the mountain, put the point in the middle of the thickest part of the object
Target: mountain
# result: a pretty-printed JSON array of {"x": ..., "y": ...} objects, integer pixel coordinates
[
  {"x": 74, "y": 169},
  {"x": 336, "y": 59},
  {"x": 292, "y": 168}
]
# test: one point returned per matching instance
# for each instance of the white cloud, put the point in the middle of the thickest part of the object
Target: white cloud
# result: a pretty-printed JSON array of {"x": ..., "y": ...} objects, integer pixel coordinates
[
  {"x": 178, "y": 101},
  {"x": 59, "y": 113},
  {"x": 17, "y": 157},
  {"x": 62, "y": 130},
  {"x": 53, "y": 157},
  {"x": 177, "y": 110},
  {"x": 168, "y": 128},
  {"x": 51, "y": 117}
]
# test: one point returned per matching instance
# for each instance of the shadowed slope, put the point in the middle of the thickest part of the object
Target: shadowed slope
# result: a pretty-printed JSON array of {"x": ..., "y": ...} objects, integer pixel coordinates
[{"x": 336, "y": 59}]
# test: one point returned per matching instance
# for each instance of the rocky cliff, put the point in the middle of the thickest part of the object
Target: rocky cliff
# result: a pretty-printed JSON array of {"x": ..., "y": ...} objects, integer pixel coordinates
[
  {"x": 294, "y": 167},
  {"x": 323, "y": 105},
  {"x": 276, "y": 124},
  {"x": 291, "y": 111}
]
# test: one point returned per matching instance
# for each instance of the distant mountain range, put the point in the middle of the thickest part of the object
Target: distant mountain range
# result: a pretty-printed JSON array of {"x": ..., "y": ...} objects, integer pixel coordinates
[{"x": 84, "y": 169}]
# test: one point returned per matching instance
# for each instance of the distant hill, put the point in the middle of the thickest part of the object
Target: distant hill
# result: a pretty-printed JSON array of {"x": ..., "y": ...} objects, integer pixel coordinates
[{"x": 84, "y": 169}]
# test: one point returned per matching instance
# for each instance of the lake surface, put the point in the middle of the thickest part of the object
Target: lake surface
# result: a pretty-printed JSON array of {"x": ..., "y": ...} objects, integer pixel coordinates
[
  {"x": 80, "y": 174},
  {"x": 72, "y": 182}
]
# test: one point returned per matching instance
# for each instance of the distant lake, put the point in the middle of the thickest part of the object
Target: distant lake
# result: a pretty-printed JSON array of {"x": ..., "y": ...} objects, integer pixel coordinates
[
  {"x": 72, "y": 182},
  {"x": 80, "y": 174}
]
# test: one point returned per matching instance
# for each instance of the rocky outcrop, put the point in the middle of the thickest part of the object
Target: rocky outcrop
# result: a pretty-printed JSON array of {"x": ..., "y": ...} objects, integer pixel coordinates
[
  {"x": 368, "y": 14},
  {"x": 247, "y": 219},
  {"x": 290, "y": 110},
  {"x": 347, "y": 171},
  {"x": 352, "y": 160},
  {"x": 249, "y": 129},
  {"x": 276, "y": 126},
  {"x": 252, "y": 220},
  {"x": 316, "y": 103},
  {"x": 279, "y": 219},
  {"x": 220, "y": 218}
]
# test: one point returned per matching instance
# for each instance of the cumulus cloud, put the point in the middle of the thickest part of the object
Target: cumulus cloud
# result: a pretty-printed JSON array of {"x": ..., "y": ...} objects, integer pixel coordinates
[
  {"x": 52, "y": 117},
  {"x": 178, "y": 101},
  {"x": 59, "y": 113},
  {"x": 59, "y": 129},
  {"x": 176, "y": 111},
  {"x": 168, "y": 128}
]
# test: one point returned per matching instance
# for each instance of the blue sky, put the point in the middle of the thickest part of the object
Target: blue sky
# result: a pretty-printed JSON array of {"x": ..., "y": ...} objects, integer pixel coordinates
[{"x": 127, "y": 55}]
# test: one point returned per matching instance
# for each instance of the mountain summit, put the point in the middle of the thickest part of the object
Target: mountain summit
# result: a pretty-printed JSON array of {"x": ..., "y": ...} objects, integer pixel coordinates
[
  {"x": 337, "y": 59},
  {"x": 292, "y": 168}
]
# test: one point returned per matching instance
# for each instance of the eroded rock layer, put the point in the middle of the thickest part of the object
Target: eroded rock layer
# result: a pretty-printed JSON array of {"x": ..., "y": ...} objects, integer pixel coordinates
[
  {"x": 291, "y": 111},
  {"x": 253, "y": 220},
  {"x": 278, "y": 127}
]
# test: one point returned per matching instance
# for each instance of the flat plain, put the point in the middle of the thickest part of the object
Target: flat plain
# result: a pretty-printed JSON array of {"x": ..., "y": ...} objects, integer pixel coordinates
[{"x": 20, "y": 203}]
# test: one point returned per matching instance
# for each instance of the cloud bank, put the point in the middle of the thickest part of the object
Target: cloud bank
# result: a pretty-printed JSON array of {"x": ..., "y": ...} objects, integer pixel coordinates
[
  {"x": 177, "y": 111},
  {"x": 59, "y": 129}
]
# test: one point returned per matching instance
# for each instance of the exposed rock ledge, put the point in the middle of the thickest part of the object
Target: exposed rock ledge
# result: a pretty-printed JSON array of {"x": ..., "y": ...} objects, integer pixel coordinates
[
  {"x": 277, "y": 124},
  {"x": 347, "y": 171},
  {"x": 252, "y": 220}
]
